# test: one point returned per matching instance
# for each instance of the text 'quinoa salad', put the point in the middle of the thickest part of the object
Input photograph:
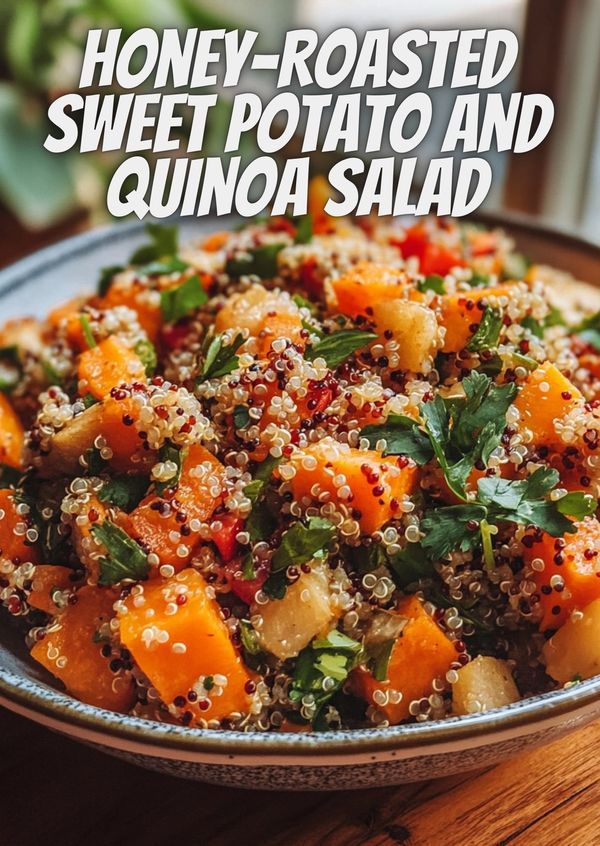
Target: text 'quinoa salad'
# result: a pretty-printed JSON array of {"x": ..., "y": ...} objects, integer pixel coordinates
[{"x": 308, "y": 474}]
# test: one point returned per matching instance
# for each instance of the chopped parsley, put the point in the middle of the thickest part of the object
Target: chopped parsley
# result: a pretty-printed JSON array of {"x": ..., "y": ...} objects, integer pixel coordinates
[
  {"x": 488, "y": 332},
  {"x": 125, "y": 492},
  {"x": 181, "y": 301},
  {"x": 261, "y": 262},
  {"x": 146, "y": 352},
  {"x": 337, "y": 347},
  {"x": 107, "y": 274},
  {"x": 11, "y": 369},
  {"x": 172, "y": 453},
  {"x": 221, "y": 358},
  {"x": 125, "y": 558},
  {"x": 302, "y": 542},
  {"x": 163, "y": 243},
  {"x": 304, "y": 229},
  {"x": 86, "y": 328},
  {"x": 433, "y": 282},
  {"x": 402, "y": 437}
]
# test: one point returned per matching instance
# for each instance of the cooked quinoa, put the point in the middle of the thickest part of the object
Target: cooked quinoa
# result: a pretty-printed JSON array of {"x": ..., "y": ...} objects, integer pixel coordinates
[{"x": 306, "y": 474}]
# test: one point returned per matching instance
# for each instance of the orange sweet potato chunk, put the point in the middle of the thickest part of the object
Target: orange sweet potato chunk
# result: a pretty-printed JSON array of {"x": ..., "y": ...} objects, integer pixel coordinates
[
  {"x": 108, "y": 364},
  {"x": 461, "y": 314},
  {"x": 175, "y": 649},
  {"x": 279, "y": 326},
  {"x": 377, "y": 485},
  {"x": 575, "y": 560},
  {"x": 73, "y": 652},
  {"x": 13, "y": 543},
  {"x": 197, "y": 495},
  {"x": 545, "y": 397},
  {"x": 421, "y": 654},
  {"x": 365, "y": 284},
  {"x": 47, "y": 579},
  {"x": 11, "y": 434},
  {"x": 117, "y": 427},
  {"x": 134, "y": 296}
]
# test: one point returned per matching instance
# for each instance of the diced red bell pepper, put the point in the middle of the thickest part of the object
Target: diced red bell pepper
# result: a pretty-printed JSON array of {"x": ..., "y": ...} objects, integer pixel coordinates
[
  {"x": 225, "y": 538},
  {"x": 245, "y": 589}
]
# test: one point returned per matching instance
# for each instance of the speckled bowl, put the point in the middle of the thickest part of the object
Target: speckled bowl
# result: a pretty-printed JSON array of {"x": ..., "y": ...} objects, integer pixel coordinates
[{"x": 334, "y": 760}]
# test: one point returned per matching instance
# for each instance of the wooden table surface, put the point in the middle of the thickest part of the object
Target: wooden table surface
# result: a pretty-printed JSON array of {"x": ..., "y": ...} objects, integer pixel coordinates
[{"x": 56, "y": 792}]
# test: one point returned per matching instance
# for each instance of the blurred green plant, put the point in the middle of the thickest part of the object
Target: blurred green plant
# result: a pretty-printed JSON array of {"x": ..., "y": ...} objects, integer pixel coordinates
[{"x": 41, "y": 47}]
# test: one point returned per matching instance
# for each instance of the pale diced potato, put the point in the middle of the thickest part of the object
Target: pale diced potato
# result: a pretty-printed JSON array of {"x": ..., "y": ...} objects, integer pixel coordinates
[
  {"x": 250, "y": 309},
  {"x": 483, "y": 684},
  {"x": 289, "y": 624},
  {"x": 414, "y": 328},
  {"x": 574, "y": 651},
  {"x": 69, "y": 443},
  {"x": 24, "y": 333}
]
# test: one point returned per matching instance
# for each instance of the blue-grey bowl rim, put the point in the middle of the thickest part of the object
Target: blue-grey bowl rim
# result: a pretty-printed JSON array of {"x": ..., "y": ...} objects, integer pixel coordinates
[{"x": 43, "y": 700}]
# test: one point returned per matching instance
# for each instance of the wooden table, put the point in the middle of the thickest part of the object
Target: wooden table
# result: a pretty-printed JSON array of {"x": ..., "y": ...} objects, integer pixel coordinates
[
  {"x": 55, "y": 792},
  {"x": 58, "y": 793}
]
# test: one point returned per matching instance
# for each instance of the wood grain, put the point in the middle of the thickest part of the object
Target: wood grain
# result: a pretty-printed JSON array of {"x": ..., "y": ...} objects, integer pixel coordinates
[{"x": 55, "y": 791}]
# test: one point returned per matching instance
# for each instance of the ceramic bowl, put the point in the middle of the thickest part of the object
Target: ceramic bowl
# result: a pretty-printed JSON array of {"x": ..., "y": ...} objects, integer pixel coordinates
[{"x": 334, "y": 760}]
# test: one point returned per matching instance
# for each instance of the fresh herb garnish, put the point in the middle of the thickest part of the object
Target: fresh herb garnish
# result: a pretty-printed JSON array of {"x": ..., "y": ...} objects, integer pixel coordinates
[
  {"x": 302, "y": 302},
  {"x": 162, "y": 267},
  {"x": 377, "y": 657},
  {"x": 304, "y": 229},
  {"x": 178, "y": 302},
  {"x": 172, "y": 453},
  {"x": 86, "y": 328},
  {"x": 248, "y": 569},
  {"x": 221, "y": 358},
  {"x": 302, "y": 542},
  {"x": 241, "y": 417},
  {"x": 261, "y": 262},
  {"x": 487, "y": 333},
  {"x": 107, "y": 274},
  {"x": 11, "y": 369},
  {"x": 402, "y": 437},
  {"x": 125, "y": 558},
  {"x": 479, "y": 280},
  {"x": 337, "y": 347},
  {"x": 433, "y": 282},
  {"x": 410, "y": 565},
  {"x": 163, "y": 243},
  {"x": 125, "y": 492},
  {"x": 320, "y": 671},
  {"x": 146, "y": 352}
]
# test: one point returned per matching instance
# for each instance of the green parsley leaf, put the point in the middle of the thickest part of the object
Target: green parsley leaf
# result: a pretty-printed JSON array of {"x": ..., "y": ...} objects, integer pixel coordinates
[
  {"x": 402, "y": 437},
  {"x": 577, "y": 504},
  {"x": 410, "y": 565},
  {"x": 163, "y": 242},
  {"x": 170, "y": 452},
  {"x": 86, "y": 328},
  {"x": 249, "y": 637},
  {"x": 125, "y": 492},
  {"x": 50, "y": 372},
  {"x": 248, "y": 570},
  {"x": 241, "y": 417},
  {"x": 162, "y": 267},
  {"x": 220, "y": 359},
  {"x": 146, "y": 352},
  {"x": 302, "y": 542},
  {"x": 488, "y": 331},
  {"x": 433, "y": 282},
  {"x": 261, "y": 262},
  {"x": 89, "y": 400},
  {"x": 11, "y": 369},
  {"x": 125, "y": 558},
  {"x": 275, "y": 586},
  {"x": 446, "y": 529},
  {"x": 107, "y": 275},
  {"x": 178, "y": 302},
  {"x": 304, "y": 230},
  {"x": 337, "y": 347},
  {"x": 302, "y": 302},
  {"x": 378, "y": 658},
  {"x": 266, "y": 467},
  {"x": 332, "y": 657},
  {"x": 479, "y": 280}
]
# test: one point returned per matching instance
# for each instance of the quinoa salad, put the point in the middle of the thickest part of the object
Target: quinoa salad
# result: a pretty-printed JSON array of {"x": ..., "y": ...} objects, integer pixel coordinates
[{"x": 304, "y": 475}]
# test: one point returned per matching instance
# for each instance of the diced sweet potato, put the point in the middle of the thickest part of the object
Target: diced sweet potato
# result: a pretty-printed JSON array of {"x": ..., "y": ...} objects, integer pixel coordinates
[
  {"x": 372, "y": 486},
  {"x": 365, "y": 285},
  {"x": 73, "y": 653},
  {"x": 421, "y": 654},
  {"x": 266, "y": 315},
  {"x": 574, "y": 651},
  {"x": 545, "y": 397},
  {"x": 570, "y": 579},
  {"x": 319, "y": 193},
  {"x": 107, "y": 365},
  {"x": 216, "y": 241},
  {"x": 47, "y": 579},
  {"x": 155, "y": 521},
  {"x": 461, "y": 314},
  {"x": 183, "y": 642},
  {"x": 289, "y": 624},
  {"x": 105, "y": 419},
  {"x": 414, "y": 328},
  {"x": 137, "y": 297},
  {"x": 13, "y": 526},
  {"x": 483, "y": 684},
  {"x": 11, "y": 434}
]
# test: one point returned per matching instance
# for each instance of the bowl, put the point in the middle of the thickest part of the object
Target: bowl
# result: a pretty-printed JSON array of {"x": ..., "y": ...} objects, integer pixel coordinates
[{"x": 318, "y": 761}]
